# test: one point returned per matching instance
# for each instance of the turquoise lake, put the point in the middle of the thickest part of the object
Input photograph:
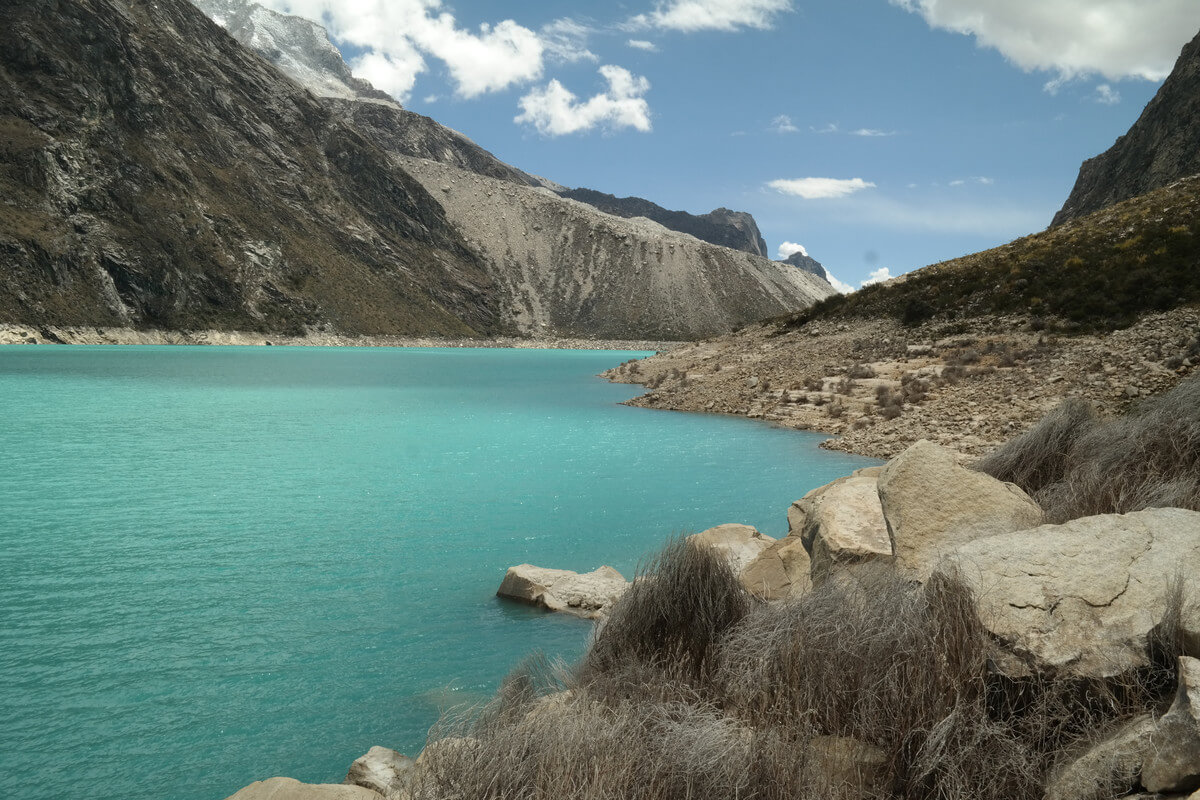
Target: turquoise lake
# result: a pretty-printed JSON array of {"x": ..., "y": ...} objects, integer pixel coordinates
[{"x": 223, "y": 564}]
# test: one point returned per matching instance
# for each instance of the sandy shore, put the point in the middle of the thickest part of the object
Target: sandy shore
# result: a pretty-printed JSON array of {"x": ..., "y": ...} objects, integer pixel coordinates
[{"x": 26, "y": 334}]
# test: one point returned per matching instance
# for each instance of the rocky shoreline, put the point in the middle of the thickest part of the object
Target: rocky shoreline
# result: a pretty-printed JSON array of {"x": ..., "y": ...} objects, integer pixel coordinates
[
  {"x": 27, "y": 334},
  {"x": 879, "y": 386}
]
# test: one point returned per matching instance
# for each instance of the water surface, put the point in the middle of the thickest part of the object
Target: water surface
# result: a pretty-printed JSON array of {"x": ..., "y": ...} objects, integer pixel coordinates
[{"x": 222, "y": 564}]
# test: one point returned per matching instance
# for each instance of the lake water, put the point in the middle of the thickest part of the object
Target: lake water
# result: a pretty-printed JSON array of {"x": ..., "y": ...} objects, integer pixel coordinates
[{"x": 223, "y": 564}]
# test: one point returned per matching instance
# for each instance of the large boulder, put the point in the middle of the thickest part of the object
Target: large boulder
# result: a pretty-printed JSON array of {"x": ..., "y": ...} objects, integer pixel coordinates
[
  {"x": 1107, "y": 768},
  {"x": 381, "y": 770},
  {"x": 844, "y": 525},
  {"x": 1174, "y": 761},
  {"x": 291, "y": 789},
  {"x": 932, "y": 506},
  {"x": 780, "y": 572},
  {"x": 587, "y": 595},
  {"x": 738, "y": 544},
  {"x": 1086, "y": 596}
]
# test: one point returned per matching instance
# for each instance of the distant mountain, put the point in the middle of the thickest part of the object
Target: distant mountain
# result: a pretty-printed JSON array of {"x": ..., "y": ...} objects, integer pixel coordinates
[
  {"x": 1163, "y": 146},
  {"x": 808, "y": 264},
  {"x": 155, "y": 173},
  {"x": 736, "y": 230},
  {"x": 561, "y": 266}
]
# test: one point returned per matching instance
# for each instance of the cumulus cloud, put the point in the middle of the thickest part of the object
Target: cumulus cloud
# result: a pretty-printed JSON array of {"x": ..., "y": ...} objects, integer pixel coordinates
[
  {"x": 718, "y": 15},
  {"x": 878, "y": 276},
  {"x": 789, "y": 249},
  {"x": 1115, "y": 38},
  {"x": 843, "y": 288},
  {"x": 1106, "y": 95},
  {"x": 555, "y": 111},
  {"x": 396, "y": 34},
  {"x": 782, "y": 124},
  {"x": 819, "y": 188},
  {"x": 642, "y": 44}
]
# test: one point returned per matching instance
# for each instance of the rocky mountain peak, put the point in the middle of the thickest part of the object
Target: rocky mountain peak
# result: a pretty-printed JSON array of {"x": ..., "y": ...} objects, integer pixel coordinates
[
  {"x": 1162, "y": 147},
  {"x": 807, "y": 263},
  {"x": 300, "y": 48}
]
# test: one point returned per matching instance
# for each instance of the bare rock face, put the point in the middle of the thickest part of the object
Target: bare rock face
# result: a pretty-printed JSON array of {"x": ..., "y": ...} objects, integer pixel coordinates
[
  {"x": 739, "y": 545},
  {"x": 568, "y": 269},
  {"x": 381, "y": 770},
  {"x": 1174, "y": 761},
  {"x": 1084, "y": 597},
  {"x": 844, "y": 525},
  {"x": 1163, "y": 146},
  {"x": 933, "y": 506},
  {"x": 1108, "y": 768},
  {"x": 291, "y": 789},
  {"x": 780, "y": 572},
  {"x": 586, "y": 595},
  {"x": 157, "y": 174}
]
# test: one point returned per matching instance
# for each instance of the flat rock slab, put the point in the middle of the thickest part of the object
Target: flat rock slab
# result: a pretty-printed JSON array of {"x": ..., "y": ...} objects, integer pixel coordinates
[
  {"x": 1085, "y": 596},
  {"x": 587, "y": 595},
  {"x": 291, "y": 789}
]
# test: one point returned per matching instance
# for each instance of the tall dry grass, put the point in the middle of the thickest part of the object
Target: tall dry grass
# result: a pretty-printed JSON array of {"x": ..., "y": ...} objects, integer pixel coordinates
[
  {"x": 1076, "y": 464},
  {"x": 694, "y": 689}
]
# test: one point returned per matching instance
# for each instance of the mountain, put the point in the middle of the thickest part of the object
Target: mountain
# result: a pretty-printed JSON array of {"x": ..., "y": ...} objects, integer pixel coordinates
[
  {"x": 733, "y": 229},
  {"x": 804, "y": 261},
  {"x": 155, "y": 173},
  {"x": 560, "y": 266},
  {"x": 1162, "y": 147}
]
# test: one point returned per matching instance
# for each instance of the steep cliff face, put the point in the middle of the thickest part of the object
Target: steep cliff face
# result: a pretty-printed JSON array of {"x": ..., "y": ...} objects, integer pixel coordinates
[
  {"x": 1163, "y": 146},
  {"x": 568, "y": 268},
  {"x": 733, "y": 229},
  {"x": 155, "y": 173}
]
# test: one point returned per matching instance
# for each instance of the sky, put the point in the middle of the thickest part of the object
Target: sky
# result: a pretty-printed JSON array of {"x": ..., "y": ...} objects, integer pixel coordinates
[{"x": 876, "y": 135}]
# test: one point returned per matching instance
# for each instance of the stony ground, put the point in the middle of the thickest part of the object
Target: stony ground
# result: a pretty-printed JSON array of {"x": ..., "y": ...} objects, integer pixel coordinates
[{"x": 880, "y": 387}]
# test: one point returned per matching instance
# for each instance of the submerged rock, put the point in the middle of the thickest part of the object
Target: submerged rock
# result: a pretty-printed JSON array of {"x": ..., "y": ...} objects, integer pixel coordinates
[
  {"x": 291, "y": 789},
  {"x": 586, "y": 595}
]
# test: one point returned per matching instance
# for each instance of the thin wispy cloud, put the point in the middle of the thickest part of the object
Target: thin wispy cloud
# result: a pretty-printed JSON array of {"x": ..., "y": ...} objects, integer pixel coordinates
[
  {"x": 1106, "y": 95},
  {"x": 554, "y": 110},
  {"x": 642, "y": 44},
  {"x": 830, "y": 128},
  {"x": 1113, "y": 38},
  {"x": 782, "y": 124},
  {"x": 690, "y": 16},
  {"x": 871, "y": 132},
  {"x": 819, "y": 188}
]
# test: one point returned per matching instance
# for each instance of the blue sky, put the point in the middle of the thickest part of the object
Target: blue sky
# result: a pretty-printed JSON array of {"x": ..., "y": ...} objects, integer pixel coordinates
[{"x": 933, "y": 128}]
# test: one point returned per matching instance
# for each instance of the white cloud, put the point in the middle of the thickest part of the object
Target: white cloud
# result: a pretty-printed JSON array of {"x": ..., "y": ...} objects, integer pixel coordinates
[
  {"x": 878, "y": 276},
  {"x": 830, "y": 128},
  {"x": 789, "y": 249},
  {"x": 1115, "y": 38},
  {"x": 1106, "y": 95},
  {"x": 565, "y": 41},
  {"x": 820, "y": 188},
  {"x": 958, "y": 182},
  {"x": 397, "y": 33},
  {"x": 718, "y": 15},
  {"x": 843, "y": 288},
  {"x": 555, "y": 111},
  {"x": 642, "y": 44},
  {"x": 782, "y": 124},
  {"x": 871, "y": 132},
  {"x": 984, "y": 181}
]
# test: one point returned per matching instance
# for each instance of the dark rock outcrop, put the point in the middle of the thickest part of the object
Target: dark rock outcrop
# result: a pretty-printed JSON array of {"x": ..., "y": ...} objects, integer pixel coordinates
[
  {"x": 808, "y": 264},
  {"x": 736, "y": 230},
  {"x": 1162, "y": 147},
  {"x": 155, "y": 173}
]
